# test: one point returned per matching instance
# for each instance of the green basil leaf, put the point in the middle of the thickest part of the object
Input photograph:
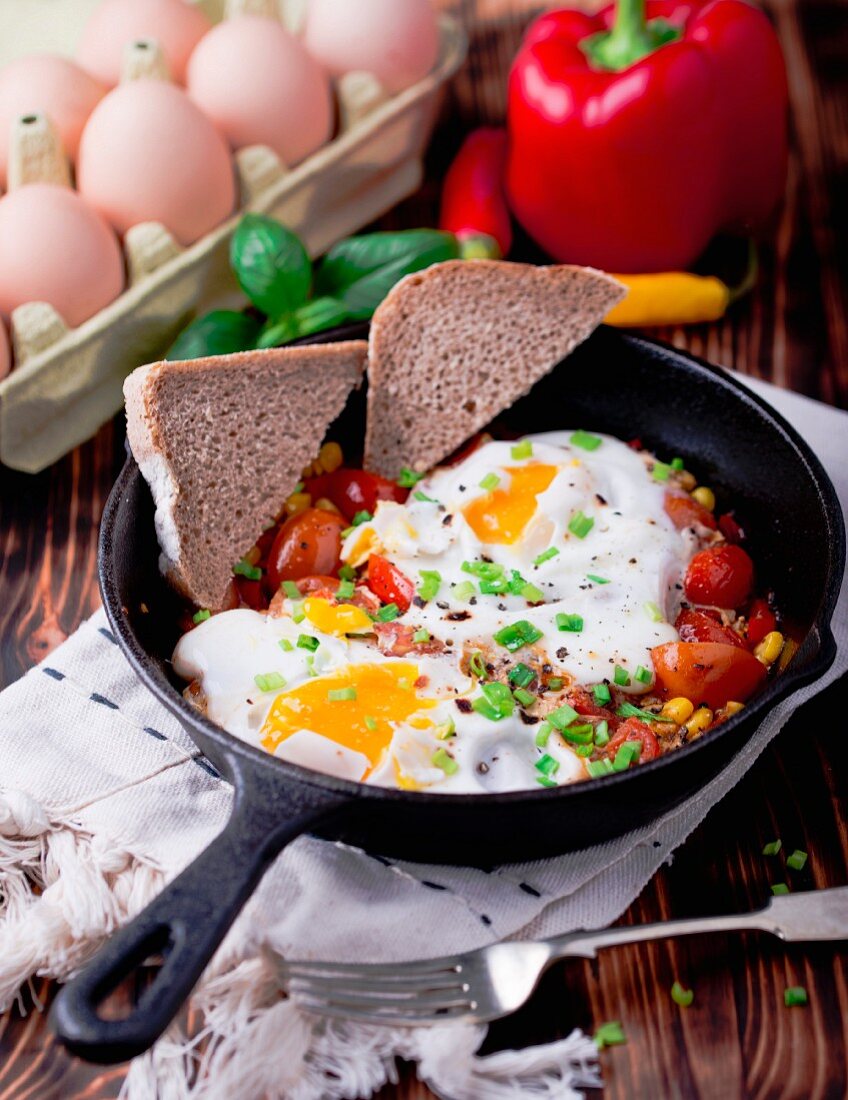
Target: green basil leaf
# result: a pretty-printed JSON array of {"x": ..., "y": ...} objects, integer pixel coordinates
[
  {"x": 362, "y": 297},
  {"x": 318, "y": 315},
  {"x": 275, "y": 333},
  {"x": 271, "y": 265},
  {"x": 220, "y": 332},
  {"x": 351, "y": 259}
]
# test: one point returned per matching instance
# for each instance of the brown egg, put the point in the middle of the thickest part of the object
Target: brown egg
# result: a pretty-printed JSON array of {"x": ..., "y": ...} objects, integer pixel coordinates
[
  {"x": 5, "y": 351},
  {"x": 55, "y": 248},
  {"x": 148, "y": 154},
  {"x": 52, "y": 86},
  {"x": 175, "y": 24}
]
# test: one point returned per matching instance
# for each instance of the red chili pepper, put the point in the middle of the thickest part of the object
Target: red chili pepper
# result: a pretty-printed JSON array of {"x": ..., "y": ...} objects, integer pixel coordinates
[
  {"x": 473, "y": 201},
  {"x": 761, "y": 621},
  {"x": 637, "y": 134}
]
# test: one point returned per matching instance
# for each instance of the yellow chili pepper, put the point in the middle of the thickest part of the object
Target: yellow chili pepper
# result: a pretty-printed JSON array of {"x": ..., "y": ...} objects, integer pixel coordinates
[{"x": 677, "y": 297}]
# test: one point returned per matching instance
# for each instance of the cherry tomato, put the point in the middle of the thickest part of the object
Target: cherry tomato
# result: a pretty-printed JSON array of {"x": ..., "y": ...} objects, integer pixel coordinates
[
  {"x": 698, "y": 626},
  {"x": 250, "y": 593},
  {"x": 707, "y": 672},
  {"x": 583, "y": 703},
  {"x": 317, "y": 585},
  {"x": 306, "y": 544},
  {"x": 389, "y": 583},
  {"x": 634, "y": 729},
  {"x": 730, "y": 528},
  {"x": 684, "y": 511},
  {"x": 761, "y": 621},
  {"x": 354, "y": 491},
  {"x": 721, "y": 576}
]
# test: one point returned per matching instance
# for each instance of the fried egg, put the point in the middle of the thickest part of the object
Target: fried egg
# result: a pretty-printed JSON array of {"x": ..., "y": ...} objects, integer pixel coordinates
[{"x": 546, "y": 532}]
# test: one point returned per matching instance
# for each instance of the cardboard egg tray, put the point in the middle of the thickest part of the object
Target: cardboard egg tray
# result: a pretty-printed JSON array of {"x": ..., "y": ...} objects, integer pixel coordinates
[{"x": 67, "y": 382}]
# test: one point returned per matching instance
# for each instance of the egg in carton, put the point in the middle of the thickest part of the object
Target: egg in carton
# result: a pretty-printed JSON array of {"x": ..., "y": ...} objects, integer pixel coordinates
[{"x": 67, "y": 379}]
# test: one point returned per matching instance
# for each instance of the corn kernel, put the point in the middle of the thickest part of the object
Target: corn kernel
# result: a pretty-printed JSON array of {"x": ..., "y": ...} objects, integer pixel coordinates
[
  {"x": 330, "y": 457},
  {"x": 253, "y": 555},
  {"x": 704, "y": 496},
  {"x": 326, "y": 505},
  {"x": 700, "y": 720},
  {"x": 297, "y": 502},
  {"x": 731, "y": 708},
  {"x": 769, "y": 648},
  {"x": 686, "y": 480},
  {"x": 679, "y": 710}
]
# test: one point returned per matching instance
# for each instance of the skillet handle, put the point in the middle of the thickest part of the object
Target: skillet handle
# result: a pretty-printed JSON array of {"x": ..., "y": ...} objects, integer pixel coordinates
[{"x": 187, "y": 921}]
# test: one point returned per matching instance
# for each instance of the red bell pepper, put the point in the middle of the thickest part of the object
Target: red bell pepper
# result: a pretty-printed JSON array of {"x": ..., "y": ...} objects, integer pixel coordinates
[{"x": 637, "y": 134}]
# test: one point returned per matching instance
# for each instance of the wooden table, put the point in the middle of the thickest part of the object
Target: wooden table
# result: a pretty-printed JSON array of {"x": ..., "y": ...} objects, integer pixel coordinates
[{"x": 737, "y": 1039}]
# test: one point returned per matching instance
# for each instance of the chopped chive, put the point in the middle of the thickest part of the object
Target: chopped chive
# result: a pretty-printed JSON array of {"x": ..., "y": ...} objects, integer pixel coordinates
[
  {"x": 643, "y": 675},
  {"x": 660, "y": 471},
  {"x": 779, "y": 888},
  {"x": 477, "y": 665},
  {"x": 463, "y": 591},
  {"x": 677, "y": 463},
  {"x": 681, "y": 996},
  {"x": 524, "y": 449},
  {"x": 772, "y": 848},
  {"x": 245, "y": 569},
  {"x": 517, "y": 634},
  {"x": 485, "y": 570},
  {"x": 547, "y": 765},
  {"x": 360, "y": 518},
  {"x": 580, "y": 525},
  {"x": 201, "y": 616},
  {"x": 285, "y": 645},
  {"x": 446, "y": 729},
  {"x": 544, "y": 781},
  {"x": 298, "y": 488},
  {"x": 627, "y": 754},
  {"x": 563, "y": 716},
  {"x": 494, "y": 588},
  {"x": 653, "y": 612},
  {"x": 430, "y": 583},
  {"x": 628, "y": 710},
  {"x": 489, "y": 482},
  {"x": 306, "y": 641},
  {"x": 601, "y": 694},
  {"x": 585, "y": 440},
  {"x": 388, "y": 613},
  {"x": 291, "y": 590},
  {"x": 269, "y": 681},
  {"x": 532, "y": 594},
  {"x": 543, "y": 734},
  {"x": 496, "y": 702},
  {"x": 310, "y": 665},
  {"x": 595, "y": 579},
  {"x": 422, "y": 496},
  {"x": 621, "y": 676},
  {"x": 345, "y": 590},
  {"x": 341, "y": 695},
  {"x": 546, "y": 555},
  {"x": 579, "y": 734},
  {"x": 602, "y": 734},
  {"x": 521, "y": 675},
  {"x": 794, "y": 995},
  {"x": 598, "y": 768},
  {"x": 584, "y": 750},
  {"x": 370, "y": 722},
  {"x": 298, "y": 614},
  {"x": 421, "y": 635},
  {"x": 572, "y": 623},
  {"x": 347, "y": 531},
  {"x": 610, "y": 1034},
  {"x": 347, "y": 572},
  {"x": 445, "y": 761},
  {"x": 797, "y": 860},
  {"x": 554, "y": 683},
  {"x": 525, "y": 697},
  {"x": 409, "y": 478}
]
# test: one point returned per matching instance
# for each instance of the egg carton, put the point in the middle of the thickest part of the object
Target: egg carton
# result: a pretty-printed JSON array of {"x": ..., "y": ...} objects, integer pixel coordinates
[{"x": 67, "y": 382}]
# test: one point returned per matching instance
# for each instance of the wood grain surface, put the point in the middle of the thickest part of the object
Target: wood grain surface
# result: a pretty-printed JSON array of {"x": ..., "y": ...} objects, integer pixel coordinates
[{"x": 737, "y": 1039}]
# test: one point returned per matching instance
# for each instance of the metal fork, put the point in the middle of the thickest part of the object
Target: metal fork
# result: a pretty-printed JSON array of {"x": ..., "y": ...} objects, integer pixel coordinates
[{"x": 495, "y": 981}]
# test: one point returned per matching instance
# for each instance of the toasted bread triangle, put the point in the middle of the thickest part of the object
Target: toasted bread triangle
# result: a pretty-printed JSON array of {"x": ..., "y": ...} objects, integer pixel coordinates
[
  {"x": 222, "y": 442},
  {"x": 453, "y": 346}
]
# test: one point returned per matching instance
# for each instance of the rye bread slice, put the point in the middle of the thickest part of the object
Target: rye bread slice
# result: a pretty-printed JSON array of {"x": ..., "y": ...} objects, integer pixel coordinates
[
  {"x": 453, "y": 346},
  {"x": 222, "y": 442}
]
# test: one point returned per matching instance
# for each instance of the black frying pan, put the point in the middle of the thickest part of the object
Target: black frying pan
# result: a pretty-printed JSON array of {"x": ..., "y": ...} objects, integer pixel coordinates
[{"x": 614, "y": 383}]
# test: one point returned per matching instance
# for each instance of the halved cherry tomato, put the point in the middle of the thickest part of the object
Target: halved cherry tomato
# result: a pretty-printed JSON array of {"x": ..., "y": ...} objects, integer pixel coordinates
[
  {"x": 354, "y": 491},
  {"x": 761, "y": 621},
  {"x": 720, "y": 576},
  {"x": 308, "y": 543},
  {"x": 684, "y": 511},
  {"x": 730, "y": 528},
  {"x": 634, "y": 729},
  {"x": 250, "y": 593},
  {"x": 389, "y": 583},
  {"x": 583, "y": 703},
  {"x": 316, "y": 585},
  {"x": 699, "y": 626},
  {"x": 707, "y": 672}
]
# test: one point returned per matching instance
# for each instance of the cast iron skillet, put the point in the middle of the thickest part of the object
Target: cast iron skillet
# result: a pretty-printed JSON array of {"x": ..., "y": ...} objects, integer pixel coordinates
[{"x": 614, "y": 383}]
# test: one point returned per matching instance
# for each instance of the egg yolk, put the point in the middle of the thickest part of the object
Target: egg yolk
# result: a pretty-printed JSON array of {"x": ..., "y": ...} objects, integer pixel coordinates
[
  {"x": 501, "y": 515},
  {"x": 358, "y": 707},
  {"x": 338, "y": 619}
]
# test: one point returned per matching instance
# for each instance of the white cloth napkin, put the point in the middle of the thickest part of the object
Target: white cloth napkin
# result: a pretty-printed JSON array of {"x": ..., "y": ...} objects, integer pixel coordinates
[{"x": 103, "y": 798}]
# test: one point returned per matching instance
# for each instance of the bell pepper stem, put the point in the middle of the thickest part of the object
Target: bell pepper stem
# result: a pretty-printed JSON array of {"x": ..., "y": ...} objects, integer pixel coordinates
[
  {"x": 749, "y": 279},
  {"x": 632, "y": 37}
]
